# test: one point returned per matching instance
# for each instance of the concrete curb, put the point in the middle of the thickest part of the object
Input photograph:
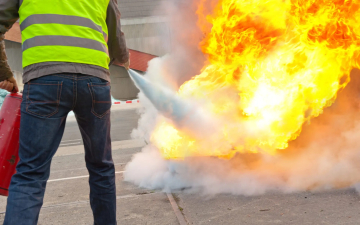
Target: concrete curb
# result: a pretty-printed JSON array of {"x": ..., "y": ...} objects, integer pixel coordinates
[{"x": 176, "y": 209}]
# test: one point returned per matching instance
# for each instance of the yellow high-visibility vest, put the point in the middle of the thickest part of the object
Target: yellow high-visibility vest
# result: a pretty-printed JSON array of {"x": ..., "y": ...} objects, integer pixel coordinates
[{"x": 64, "y": 31}]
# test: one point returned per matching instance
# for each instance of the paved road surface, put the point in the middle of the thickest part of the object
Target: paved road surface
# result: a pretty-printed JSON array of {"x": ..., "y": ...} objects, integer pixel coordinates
[
  {"x": 67, "y": 195},
  {"x": 123, "y": 120},
  {"x": 67, "y": 202}
]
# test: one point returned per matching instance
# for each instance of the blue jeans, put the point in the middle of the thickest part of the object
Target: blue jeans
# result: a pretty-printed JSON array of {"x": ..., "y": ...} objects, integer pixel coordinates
[{"x": 45, "y": 106}]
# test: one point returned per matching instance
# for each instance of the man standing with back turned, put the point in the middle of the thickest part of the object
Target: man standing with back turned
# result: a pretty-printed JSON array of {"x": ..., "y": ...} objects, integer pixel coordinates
[{"x": 67, "y": 46}]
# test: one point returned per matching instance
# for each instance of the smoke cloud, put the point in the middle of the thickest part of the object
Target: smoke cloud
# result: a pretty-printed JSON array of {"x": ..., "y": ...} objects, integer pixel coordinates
[{"x": 325, "y": 155}]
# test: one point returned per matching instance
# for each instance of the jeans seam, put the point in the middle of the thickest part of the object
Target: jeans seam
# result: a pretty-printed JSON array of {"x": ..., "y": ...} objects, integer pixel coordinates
[
  {"x": 92, "y": 105},
  {"x": 74, "y": 94},
  {"x": 42, "y": 101},
  {"x": 64, "y": 76},
  {"x": 82, "y": 78},
  {"x": 47, "y": 116},
  {"x": 71, "y": 77},
  {"x": 102, "y": 115},
  {"x": 100, "y": 85},
  {"x": 27, "y": 97},
  {"x": 43, "y": 84},
  {"x": 57, "y": 98}
]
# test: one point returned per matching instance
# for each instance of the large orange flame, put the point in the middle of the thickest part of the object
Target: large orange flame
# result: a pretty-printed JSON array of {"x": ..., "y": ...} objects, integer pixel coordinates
[{"x": 272, "y": 66}]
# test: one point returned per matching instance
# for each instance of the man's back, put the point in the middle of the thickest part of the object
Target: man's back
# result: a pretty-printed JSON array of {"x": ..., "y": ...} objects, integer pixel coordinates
[
  {"x": 72, "y": 31},
  {"x": 63, "y": 35},
  {"x": 67, "y": 48}
]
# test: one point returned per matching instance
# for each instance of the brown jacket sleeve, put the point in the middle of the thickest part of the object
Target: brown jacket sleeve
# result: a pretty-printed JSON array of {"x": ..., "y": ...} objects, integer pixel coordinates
[
  {"x": 5, "y": 71},
  {"x": 8, "y": 16},
  {"x": 117, "y": 45}
]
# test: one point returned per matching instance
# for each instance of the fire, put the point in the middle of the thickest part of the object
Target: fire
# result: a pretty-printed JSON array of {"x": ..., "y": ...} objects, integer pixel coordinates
[{"x": 272, "y": 66}]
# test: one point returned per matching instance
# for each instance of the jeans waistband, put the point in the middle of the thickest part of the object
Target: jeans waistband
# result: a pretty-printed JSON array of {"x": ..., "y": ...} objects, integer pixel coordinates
[{"x": 73, "y": 76}]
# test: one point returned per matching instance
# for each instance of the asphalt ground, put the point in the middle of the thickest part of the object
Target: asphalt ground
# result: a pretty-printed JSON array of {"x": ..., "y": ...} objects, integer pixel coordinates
[
  {"x": 67, "y": 194},
  {"x": 123, "y": 120},
  {"x": 67, "y": 202}
]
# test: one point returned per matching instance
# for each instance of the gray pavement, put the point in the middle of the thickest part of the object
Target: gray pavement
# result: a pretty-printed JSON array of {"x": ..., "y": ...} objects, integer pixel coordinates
[
  {"x": 123, "y": 120},
  {"x": 66, "y": 200},
  {"x": 327, "y": 207},
  {"x": 67, "y": 194}
]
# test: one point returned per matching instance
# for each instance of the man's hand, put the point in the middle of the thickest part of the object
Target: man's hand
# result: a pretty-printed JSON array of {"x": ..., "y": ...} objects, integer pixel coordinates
[
  {"x": 10, "y": 85},
  {"x": 127, "y": 65}
]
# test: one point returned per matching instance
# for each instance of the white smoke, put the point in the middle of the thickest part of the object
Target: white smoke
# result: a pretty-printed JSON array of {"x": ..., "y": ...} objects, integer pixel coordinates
[{"x": 326, "y": 155}]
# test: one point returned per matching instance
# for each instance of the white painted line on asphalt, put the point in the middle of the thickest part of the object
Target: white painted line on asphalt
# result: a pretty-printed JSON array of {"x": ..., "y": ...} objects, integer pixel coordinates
[
  {"x": 74, "y": 178},
  {"x": 116, "y": 145},
  {"x": 71, "y": 140},
  {"x": 81, "y": 168},
  {"x": 87, "y": 201},
  {"x": 73, "y": 143}
]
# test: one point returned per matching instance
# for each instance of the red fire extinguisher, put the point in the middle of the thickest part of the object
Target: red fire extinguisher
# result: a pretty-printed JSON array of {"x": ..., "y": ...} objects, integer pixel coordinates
[{"x": 9, "y": 139}]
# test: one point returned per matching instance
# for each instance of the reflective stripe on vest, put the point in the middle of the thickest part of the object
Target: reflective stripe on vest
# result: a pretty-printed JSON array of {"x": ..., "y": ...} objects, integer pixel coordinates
[
  {"x": 63, "y": 41},
  {"x": 61, "y": 19},
  {"x": 64, "y": 31}
]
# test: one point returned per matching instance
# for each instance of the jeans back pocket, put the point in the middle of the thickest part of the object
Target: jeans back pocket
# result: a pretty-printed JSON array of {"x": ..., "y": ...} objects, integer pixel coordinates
[
  {"x": 101, "y": 98},
  {"x": 43, "y": 97}
]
